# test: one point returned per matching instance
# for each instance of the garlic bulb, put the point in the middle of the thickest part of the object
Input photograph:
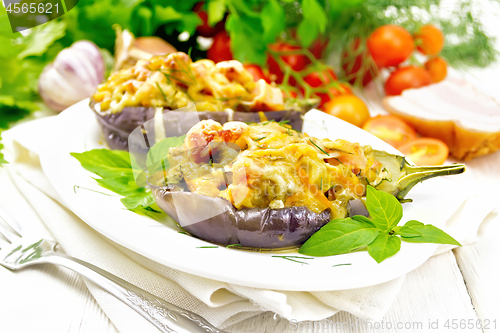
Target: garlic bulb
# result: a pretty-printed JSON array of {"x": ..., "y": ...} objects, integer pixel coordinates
[{"x": 74, "y": 75}]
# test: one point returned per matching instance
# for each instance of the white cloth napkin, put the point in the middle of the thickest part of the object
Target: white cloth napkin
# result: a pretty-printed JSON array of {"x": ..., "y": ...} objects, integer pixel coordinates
[{"x": 221, "y": 303}]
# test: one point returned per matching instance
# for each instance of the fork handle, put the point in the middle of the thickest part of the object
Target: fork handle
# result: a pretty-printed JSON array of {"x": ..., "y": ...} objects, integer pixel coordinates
[{"x": 166, "y": 317}]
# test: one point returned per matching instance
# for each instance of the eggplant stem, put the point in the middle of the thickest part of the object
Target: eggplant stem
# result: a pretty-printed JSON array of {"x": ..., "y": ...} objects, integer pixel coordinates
[{"x": 416, "y": 174}]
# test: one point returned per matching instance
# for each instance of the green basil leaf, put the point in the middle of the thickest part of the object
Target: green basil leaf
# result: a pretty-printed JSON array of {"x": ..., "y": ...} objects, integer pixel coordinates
[
  {"x": 124, "y": 186},
  {"x": 406, "y": 232},
  {"x": 430, "y": 234},
  {"x": 106, "y": 163},
  {"x": 385, "y": 210},
  {"x": 216, "y": 11},
  {"x": 384, "y": 246},
  {"x": 157, "y": 155},
  {"x": 339, "y": 236},
  {"x": 273, "y": 20},
  {"x": 140, "y": 199},
  {"x": 115, "y": 169},
  {"x": 411, "y": 223},
  {"x": 363, "y": 218}
]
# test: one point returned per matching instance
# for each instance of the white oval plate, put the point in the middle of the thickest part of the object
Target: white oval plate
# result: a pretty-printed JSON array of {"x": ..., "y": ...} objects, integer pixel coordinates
[{"x": 78, "y": 131}]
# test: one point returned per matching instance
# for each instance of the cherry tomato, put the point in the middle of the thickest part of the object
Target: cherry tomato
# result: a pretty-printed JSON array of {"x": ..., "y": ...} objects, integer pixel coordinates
[
  {"x": 204, "y": 29},
  {"x": 297, "y": 61},
  {"x": 429, "y": 40},
  {"x": 390, "y": 45},
  {"x": 290, "y": 94},
  {"x": 406, "y": 78},
  {"x": 425, "y": 151},
  {"x": 318, "y": 47},
  {"x": 352, "y": 65},
  {"x": 438, "y": 68},
  {"x": 391, "y": 129},
  {"x": 348, "y": 108},
  {"x": 256, "y": 72},
  {"x": 316, "y": 79},
  {"x": 339, "y": 90},
  {"x": 220, "y": 49}
]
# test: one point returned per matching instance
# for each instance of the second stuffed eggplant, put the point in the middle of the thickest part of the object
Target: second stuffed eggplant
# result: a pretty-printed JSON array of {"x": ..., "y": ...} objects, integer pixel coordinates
[{"x": 225, "y": 91}]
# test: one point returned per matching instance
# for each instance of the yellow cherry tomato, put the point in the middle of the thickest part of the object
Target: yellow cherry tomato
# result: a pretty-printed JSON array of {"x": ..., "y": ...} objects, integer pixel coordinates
[
  {"x": 348, "y": 108},
  {"x": 391, "y": 129},
  {"x": 425, "y": 151}
]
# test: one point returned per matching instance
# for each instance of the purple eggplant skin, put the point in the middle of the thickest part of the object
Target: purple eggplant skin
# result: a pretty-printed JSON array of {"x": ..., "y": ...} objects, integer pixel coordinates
[
  {"x": 262, "y": 228},
  {"x": 117, "y": 127}
]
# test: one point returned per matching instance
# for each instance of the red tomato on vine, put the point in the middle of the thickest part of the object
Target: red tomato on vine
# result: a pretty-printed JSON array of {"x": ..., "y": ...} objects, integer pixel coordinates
[
  {"x": 406, "y": 78},
  {"x": 429, "y": 40},
  {"x": 204, "y": 29},
  {"x": 390, "y": 45},
  {"x": 256, "y": 72},
  {"x": 316, "y": 79},
  {"x": 438, "y": 68},
  {"x": 220, "y": 49},
  {"x": 297, "y": 62},
  {"x": 339, "y": 90}
]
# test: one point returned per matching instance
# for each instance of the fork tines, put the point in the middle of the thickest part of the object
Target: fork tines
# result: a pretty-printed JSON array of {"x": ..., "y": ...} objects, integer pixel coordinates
[{"x": 9, "y": 235}]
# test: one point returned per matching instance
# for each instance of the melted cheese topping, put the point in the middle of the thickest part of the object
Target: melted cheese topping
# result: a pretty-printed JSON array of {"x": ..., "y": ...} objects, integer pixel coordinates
[
  {"x": 173, "y": 81},
  {"x": 271, "y": 165}
]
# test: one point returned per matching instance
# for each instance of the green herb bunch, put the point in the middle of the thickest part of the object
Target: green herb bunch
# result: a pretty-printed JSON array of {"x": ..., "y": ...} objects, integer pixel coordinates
[
  {"x": 381, "y": 234},
  {"x": 2, "y": 160}
]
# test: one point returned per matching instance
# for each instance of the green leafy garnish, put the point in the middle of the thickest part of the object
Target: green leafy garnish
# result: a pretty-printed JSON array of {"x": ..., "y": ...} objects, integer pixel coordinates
[
  {"x": 385, "y": 210},
  {"x": 119, "y": 169},
  {"x": 115, "y": 169},
  {"x": 380, "y": 234},
  {"x": 2, "y": 160},
  {"x": 428, "y": 234},
  {"x": 338, "y": 237},
  {"x": 157, "y": 155},
  {"x": 384, "y": 246}
]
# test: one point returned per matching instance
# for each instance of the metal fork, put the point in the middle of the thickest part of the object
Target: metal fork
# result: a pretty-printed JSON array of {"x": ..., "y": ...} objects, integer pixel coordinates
[{"x": 18, "y": 251}]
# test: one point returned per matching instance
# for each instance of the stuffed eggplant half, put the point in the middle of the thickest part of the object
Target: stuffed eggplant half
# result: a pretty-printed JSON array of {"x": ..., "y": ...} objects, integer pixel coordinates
[
  {"x": 225, "y": 91},
  {"x": 268, "y": 186}
]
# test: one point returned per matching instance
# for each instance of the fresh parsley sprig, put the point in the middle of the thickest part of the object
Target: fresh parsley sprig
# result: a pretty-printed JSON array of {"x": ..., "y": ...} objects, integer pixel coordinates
[{"x": 381, "y": 234}]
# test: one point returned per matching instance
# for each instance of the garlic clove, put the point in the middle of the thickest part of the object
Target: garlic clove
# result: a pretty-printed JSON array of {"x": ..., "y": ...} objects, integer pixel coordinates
[{"x": 74, "y": 75}]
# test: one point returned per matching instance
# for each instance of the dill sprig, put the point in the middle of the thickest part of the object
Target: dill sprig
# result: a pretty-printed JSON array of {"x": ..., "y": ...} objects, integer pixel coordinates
[
  {"x": 293, "y": 258},
  {"x": 234, "y": 245},
  {"x": 161, "y": 90},
  {"x": 341, "y": 265},
  {"x": 319, "y": 147}
]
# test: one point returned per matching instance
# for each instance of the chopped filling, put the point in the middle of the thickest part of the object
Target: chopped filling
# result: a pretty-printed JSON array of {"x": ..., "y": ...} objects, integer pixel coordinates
[
  {"x": 173, "y": 81},
  {"x": 271, "y": 165}
]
